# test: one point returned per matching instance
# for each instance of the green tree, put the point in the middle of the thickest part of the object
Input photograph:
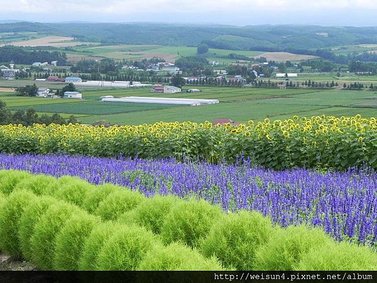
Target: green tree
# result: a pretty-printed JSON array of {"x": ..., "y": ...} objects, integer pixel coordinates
[
  {"x": 177, "y": 81},
  {"x": 68, "y": 87},
  {"x": 202, "y": 49},
  {"x": 28, "y": 90}
]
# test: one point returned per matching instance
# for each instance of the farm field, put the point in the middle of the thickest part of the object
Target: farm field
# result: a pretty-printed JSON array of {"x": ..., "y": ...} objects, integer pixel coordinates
[
  {"x": 139, "y": 52},
  {"x": 238, "y": 104}
]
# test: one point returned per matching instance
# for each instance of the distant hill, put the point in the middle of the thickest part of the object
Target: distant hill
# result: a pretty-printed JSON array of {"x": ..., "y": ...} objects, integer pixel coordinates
[{"x": 266, "y": 38}]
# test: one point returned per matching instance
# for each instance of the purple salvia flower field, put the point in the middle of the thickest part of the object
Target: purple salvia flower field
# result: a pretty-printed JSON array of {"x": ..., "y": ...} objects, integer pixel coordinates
[{"x": 344, "y": 204}]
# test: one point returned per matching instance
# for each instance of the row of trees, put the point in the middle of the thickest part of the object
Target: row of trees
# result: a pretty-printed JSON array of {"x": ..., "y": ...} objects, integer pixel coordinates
[
  {"x": 29, "y": 117},
  {"x": 22, "y": 55}
]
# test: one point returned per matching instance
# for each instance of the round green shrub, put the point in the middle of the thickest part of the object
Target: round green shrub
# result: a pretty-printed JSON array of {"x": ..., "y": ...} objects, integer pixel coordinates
[
  {"x": 10, "y": 178},
  {"x": 189, "y": 221},
  {"x": 177, "y": 257},
  {"x": 98, "y": 194},
  {"x": 94, "y": 243},
  {"x": 72, "y": 189},
  {"x": 151, "y": 213},
  {"x": 235, "y": 239},
  {"x": 32, "y": 214},
  {"x": 10, "y": 214},
  {"x": 2, "y": 198},
  {"x": 126, "y": 248},
  {"x": 70, "y": 240},
  {"x": 117, "y": 203},
  {"x": 339, "y": 256},
  {"x": 38, "y": 184},
  {"x": 286, "y": 247},
  {"x": 45, "y": 232}
]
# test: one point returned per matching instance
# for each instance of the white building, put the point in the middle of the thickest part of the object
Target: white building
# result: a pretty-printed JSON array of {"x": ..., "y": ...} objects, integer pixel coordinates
[
  {"x": 73, "y": 94},
  {"x": 172, "y": 70},
  {"x": 43, "y": 92},
  {"x": 73, "y": 80},
  {"x": 165, "y": 89}
]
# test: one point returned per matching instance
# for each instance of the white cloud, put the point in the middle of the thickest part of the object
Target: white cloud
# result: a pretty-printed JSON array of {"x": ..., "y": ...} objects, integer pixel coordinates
[{"x": 148, "y": 10}]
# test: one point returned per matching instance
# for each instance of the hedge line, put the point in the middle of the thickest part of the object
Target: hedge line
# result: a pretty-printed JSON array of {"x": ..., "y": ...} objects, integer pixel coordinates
[
  {"x": 316, "y": 142},
  {"x": 56, "y": 228}
]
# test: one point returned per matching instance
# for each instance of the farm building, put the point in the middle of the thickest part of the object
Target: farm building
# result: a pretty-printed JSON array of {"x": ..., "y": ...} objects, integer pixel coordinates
[
  {"x": 55, "y": 79},
  {"x": 165, "y": 89},
  {"x": 43, "y": 92},
  {"x": 172, "y": 70},
  {"x": 73, "y": 80},
  {"x": 9, "y": 74},
  {"x": 73, "y": 94},
  {"x": 162, "y": 100}
]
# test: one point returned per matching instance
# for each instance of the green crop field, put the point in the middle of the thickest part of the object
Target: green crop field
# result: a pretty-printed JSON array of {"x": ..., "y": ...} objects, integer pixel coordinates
[
  {"x": 138, "y": 52},
  {"x": 239, "y": 104}
]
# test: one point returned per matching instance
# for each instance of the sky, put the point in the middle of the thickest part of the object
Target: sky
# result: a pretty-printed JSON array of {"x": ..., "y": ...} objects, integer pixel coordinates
[{"x": 227, "y": 12}]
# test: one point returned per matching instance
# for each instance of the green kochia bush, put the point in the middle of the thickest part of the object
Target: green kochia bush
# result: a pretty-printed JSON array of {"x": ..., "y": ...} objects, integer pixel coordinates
[
  {"x": 339, "y": 256},
  {"x": 189, "y": 221},
  {"x": 177, "y": 257},
  {"x": 235, "y": 239},
  {"x": 118, "y": 203},
  {"x": 94, "y": 243},
  {"x": 38, "y": 184},
  {"x": 10, "y": 178},
  {"x": 70, "y": 240},
  {"x": 286, "y": 247},
  {"x": 97, "y": 194},
  {"x": 10, "y": 214},
  {"x": 46, "y": 230},
  {"x": 126, "y": 248},
  {"x": 32, "y": 214},
  {"x": 151, "y": 213},
  {"x": 71, "y": 189}
]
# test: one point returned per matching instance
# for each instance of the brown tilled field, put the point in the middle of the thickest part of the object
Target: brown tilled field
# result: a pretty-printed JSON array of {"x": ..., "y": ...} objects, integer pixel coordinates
[{"x": 285, "y": 56}]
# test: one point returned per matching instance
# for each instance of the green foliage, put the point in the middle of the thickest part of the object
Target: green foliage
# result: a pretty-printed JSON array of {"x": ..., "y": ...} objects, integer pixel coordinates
[
  {"x": 97, "y": 194},
  {"x": 189, "y": 221},
  {"x": 24, "y": 55},
  {"x": 176, "y": 257},
  {"x": 72, "y": 190},
  {"x": 151, "y": 213},
  {"x": 70, "y": 241},
  {"x": 117, "y": 203},
  {"x": 30, "y": 217},
  {"x": 178, "y": 81},
  {"x": 10, "y": 214},
  {"x": 202, "y": 49},
  {"x": 38, "y": 184},
  {"x": 324, "y": 142},
  {"x": 28, "y": 90},
  {"x": 10, "y": 178},
  {"x": 45, "y": 232},
  {"x": 94, "y": 243},
  {"x": 235, "y": 239},
  {"x": 287, "y": 247},
  {"x": 339, "y": 256},
  {"x": 126, "y": 248},
  {"x": 69, "y": 87}
]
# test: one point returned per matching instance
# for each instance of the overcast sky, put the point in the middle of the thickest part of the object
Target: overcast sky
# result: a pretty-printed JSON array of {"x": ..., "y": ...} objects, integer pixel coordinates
[{"x": 233, "y": 12}]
